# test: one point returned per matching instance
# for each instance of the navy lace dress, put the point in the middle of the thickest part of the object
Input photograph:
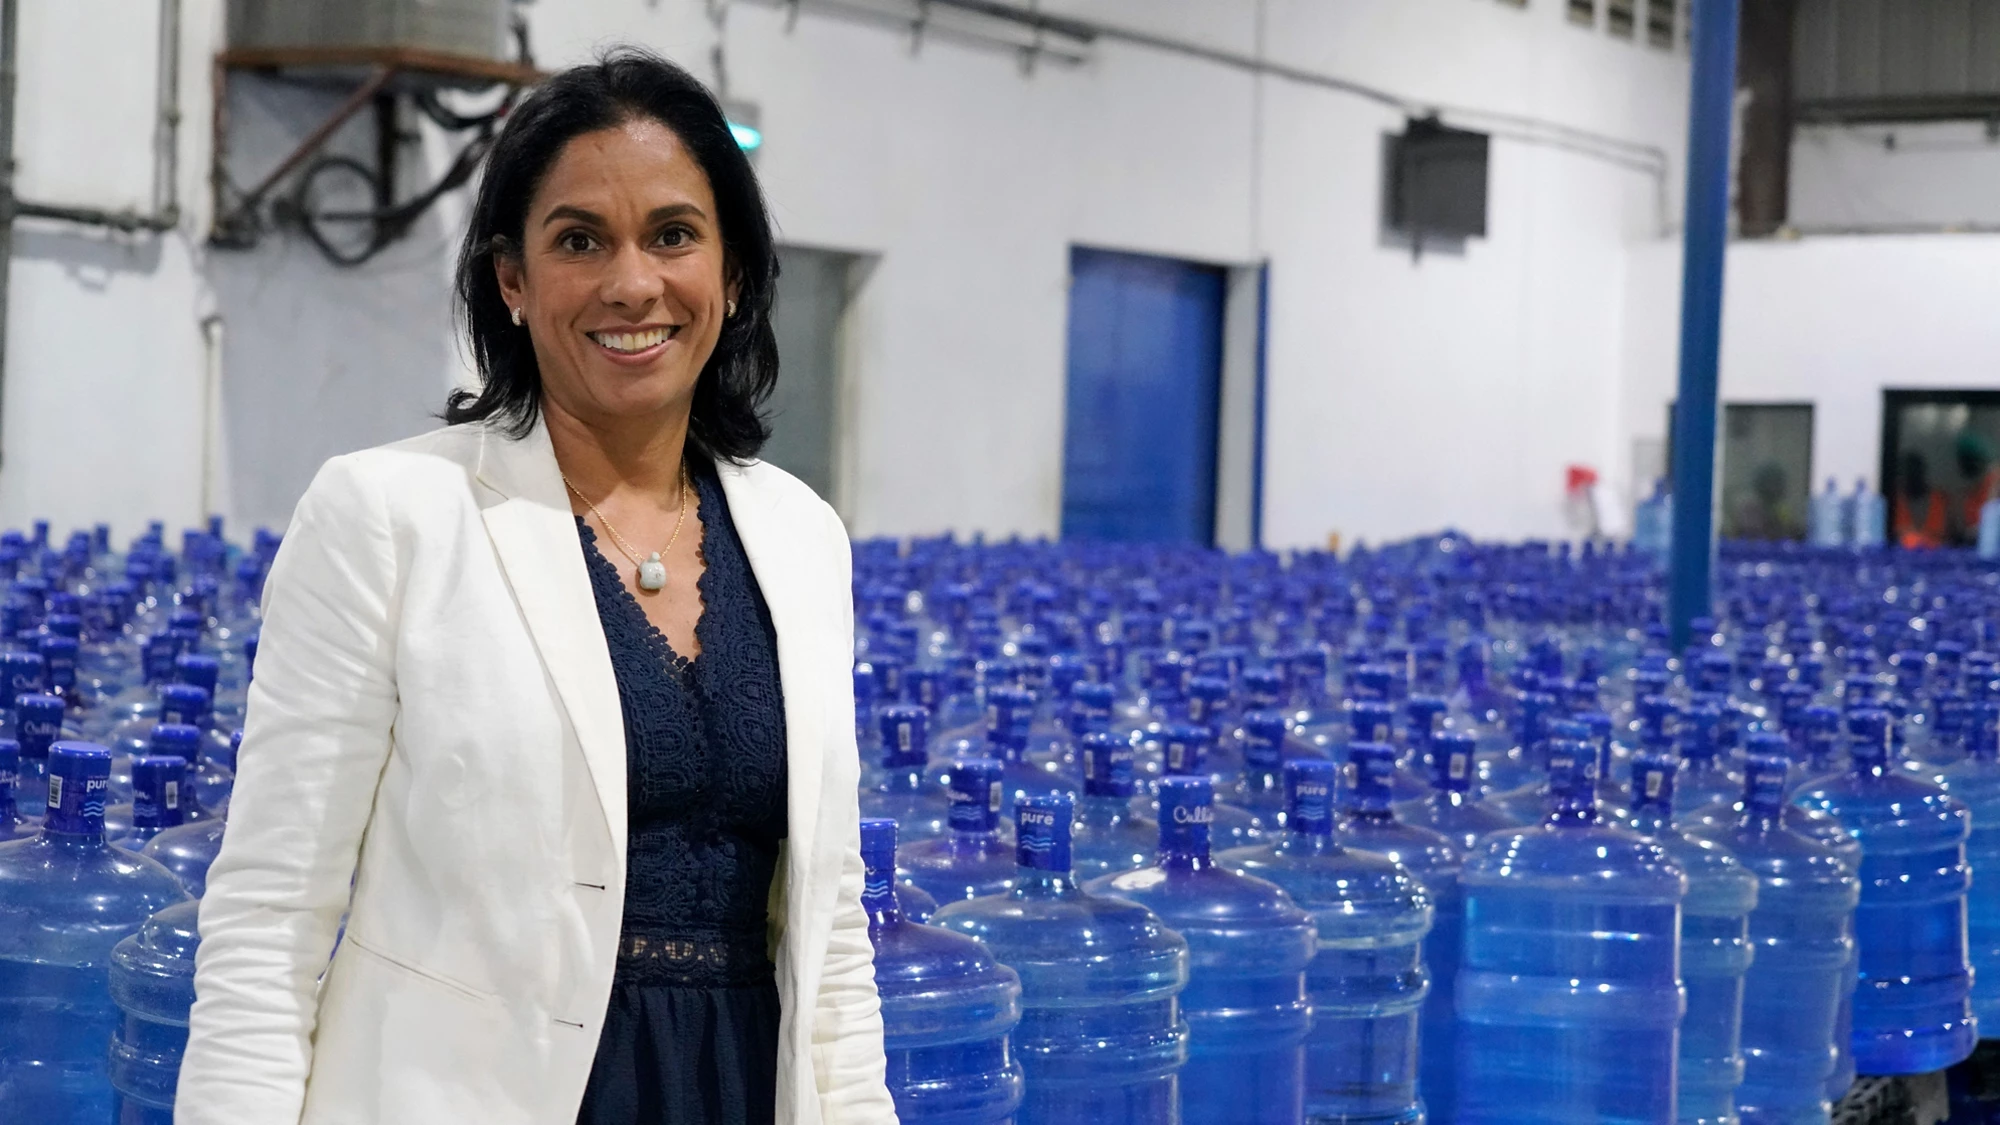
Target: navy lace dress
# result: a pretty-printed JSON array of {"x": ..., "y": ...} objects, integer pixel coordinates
[{"x": 691, "y": 1037}]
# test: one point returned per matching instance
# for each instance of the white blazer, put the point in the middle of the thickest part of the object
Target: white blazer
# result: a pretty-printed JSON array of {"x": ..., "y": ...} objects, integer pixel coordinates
[{"x": 434, "y": 724}]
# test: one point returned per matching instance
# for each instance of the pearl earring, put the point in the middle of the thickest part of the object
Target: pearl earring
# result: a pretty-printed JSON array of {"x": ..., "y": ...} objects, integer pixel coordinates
[
  {"x": 731, "y": 312},
  {"x": 517, "y": 318}
]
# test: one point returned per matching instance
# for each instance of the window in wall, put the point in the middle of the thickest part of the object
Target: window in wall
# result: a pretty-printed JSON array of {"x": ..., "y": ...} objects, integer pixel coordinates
[
  {"x": 1939, "y": 455},
  {"x": 1583, "y": 12},
  {"x": 1621, "y": 18},
  {"x": 1660, "y": 19}
]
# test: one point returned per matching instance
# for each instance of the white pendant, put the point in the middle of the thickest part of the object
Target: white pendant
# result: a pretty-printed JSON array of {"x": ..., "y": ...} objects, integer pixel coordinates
[{"x": 652, "y": 573}]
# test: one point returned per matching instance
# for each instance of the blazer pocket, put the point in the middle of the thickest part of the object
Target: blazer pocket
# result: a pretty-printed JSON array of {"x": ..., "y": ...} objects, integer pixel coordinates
[{"x": 407, "y": 968}]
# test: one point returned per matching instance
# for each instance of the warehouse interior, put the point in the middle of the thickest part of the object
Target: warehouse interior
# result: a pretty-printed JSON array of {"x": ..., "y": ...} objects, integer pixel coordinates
[
  {"x": 956, "y": 166},
  {"x": 1446, "y": 404}
]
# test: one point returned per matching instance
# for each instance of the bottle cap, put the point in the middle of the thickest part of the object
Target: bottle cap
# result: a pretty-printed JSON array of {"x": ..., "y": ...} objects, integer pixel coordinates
[
  {"x": 1573, "y": 776},
  {"x": 1090, "y": 706},
  {"x": 1764, "y": 783},
  {"x": 199, "y": 669},
  {"x": 1453, "y": 762},
  {"x": 1653, "y": 780},
  {"x": 1187, "y": 808},
  {"x": 1264, "y": 740},
  {"x": 1262, "y": 688},
  {"x": 975, "y": 795},
  {"x": 1184, "y": 748},
  {"x": 156, "y": 790},
  {"x": 905, "y": 735},
  {"x": 38, "y": 723},
  {"x": 1008, "y": 712},
  {"x": 79, "y": 780},
  {"x": 184, "y": 703},
  {"x": 1042, "y": 832},
  {"x": 1107, "y": 765},
  {"x": 924, "y": 687},
  {"x": 1870, "y": 733},
  {"x": 878, "y": 859},
  {"x": 59, "y": 656},
  {"x": 64, "y": 624},
  {"x": 178, "y": 739},
  {"x": 1372, "y": 787},
  {"x": 1206, "y": 696},
  {"x": 1372, "y": 720},
  {"x": 23, "y": 672},
  {"x": 1309, "y": 785}
]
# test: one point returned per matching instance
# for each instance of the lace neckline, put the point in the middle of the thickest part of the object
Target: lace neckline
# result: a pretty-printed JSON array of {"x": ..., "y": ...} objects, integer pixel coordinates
[{"x": 628, "y": 605}]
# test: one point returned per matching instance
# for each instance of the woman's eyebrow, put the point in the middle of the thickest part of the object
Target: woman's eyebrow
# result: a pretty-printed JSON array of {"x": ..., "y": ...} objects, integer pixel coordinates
[{"x": 591, "y": 218}]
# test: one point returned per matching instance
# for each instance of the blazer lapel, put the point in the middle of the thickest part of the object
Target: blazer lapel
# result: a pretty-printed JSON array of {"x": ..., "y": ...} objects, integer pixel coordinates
[
  {"x": 772, "y": 547},
  {"x": 535, "y": 535}
]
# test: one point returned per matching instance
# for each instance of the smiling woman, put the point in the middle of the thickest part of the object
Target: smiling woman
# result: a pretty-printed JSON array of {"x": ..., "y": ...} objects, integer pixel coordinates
[{"x": 612, "y": 870}]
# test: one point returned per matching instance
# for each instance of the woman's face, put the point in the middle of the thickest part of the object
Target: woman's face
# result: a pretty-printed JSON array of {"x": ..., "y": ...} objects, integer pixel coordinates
[{"x": 620, "y": 279}]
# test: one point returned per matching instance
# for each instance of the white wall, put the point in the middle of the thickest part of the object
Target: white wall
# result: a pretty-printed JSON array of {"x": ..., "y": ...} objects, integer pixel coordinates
[
  {"x": 1402, "y": 394},
  {"x": 1829, "y": 320}
]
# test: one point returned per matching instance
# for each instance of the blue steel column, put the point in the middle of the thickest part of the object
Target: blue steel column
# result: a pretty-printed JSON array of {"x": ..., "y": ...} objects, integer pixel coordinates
[{"x": 1705, "y": 242}]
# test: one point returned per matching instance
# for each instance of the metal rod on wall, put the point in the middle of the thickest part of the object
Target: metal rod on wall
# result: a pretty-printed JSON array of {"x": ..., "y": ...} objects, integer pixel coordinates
[{"x": 1705, "y": 244}]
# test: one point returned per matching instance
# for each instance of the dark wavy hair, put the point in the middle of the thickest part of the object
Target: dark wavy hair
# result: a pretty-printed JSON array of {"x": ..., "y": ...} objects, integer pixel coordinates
[{"x": 624, "y": 84}]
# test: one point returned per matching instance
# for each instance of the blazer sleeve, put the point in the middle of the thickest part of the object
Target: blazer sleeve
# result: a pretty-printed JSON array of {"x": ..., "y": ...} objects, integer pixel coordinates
[
  {"x": 848, "y": 1064},
  {"x": 315, "y": 742}
]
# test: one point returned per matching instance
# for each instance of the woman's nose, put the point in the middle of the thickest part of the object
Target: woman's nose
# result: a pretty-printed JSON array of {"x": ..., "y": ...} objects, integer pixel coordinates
[{"x": 631, "y": 280}]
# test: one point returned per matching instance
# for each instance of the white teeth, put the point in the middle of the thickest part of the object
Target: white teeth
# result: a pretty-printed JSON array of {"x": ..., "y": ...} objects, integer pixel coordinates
[{"x": 632, "y": 341}]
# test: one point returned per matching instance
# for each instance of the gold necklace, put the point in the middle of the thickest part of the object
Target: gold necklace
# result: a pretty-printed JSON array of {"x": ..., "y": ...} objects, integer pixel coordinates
[{"x": 652, "y": 572}]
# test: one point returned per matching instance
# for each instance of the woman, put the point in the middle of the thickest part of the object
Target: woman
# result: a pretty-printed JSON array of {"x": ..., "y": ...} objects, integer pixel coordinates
[{"x": 561, "y": 692}]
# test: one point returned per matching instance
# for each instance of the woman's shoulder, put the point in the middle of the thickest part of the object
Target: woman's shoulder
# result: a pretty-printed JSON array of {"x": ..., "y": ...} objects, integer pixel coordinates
[
  {"x": 781, "y": 492},
  {"x": 417, "y": 471}
]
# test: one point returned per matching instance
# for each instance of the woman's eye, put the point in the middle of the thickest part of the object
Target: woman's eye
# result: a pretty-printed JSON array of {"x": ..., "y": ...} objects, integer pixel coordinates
[
  {"x": 674, "y": 237},
  {"x": 575, "y": 242}
]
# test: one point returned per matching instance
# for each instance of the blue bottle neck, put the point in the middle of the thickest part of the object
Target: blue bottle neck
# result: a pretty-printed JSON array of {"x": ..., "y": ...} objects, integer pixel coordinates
[{"x": 1037, "y": 882}]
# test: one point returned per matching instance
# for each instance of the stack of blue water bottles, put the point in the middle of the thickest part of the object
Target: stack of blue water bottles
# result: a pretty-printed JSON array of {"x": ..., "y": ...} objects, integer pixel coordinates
[
  {"x": 124, "y": 674},
  {"x": 1440, "y": 830},
  {"x": 1484, "y": 847}
]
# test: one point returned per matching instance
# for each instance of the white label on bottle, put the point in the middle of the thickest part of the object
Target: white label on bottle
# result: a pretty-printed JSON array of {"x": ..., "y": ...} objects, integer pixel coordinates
[
  {"x": 1653, "y": 784},
  {"x": 903, "y": 737},
  {"x": 173, "y": 795},
  {"x": 55, "y": 791},
  {"x": 993, "y": 795},
  {"x": 1458, "y": 767}
]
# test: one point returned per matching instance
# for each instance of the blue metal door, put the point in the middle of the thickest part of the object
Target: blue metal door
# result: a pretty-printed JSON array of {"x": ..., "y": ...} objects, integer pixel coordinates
[{"x": 1145, "y": 368}]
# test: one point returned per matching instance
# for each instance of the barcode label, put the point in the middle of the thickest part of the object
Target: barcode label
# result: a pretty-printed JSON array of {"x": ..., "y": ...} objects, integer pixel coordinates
[
  {"x": 172, "y": 796},
  {"x": 1653, "y": 784},
  {"x": 55, "y": 791},
  {"x": 1458, "y": 767}
]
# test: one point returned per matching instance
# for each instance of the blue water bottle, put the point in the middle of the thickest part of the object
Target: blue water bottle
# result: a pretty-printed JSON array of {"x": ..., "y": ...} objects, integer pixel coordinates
[
  {"x": 152, "y": 982},
  {"x": 156, "y": 798},
  {"x": 38, "y": 725},
  {"x": 13, "y": 826},
  {"x": 1803, "y": 931},
  {"x": 1715, "y": 947},
  {"x": 1184, "y": 753},
  {"x": 66, "y": 899},
  {"x": 1975, "y": 780},
  {"x": 1248, "y": 947},
  {"x": 1569, "y": 998},
  {"x": 1367, "y": 981},
  {"x": 899, "y": 790},
  {"x": 1108, "y": 833},
  {"x": 1912, "y": 1011},
  {"x": 975, "y": 857},
  {"x": 1369, "y": 824},
  {"x": 1452, "y": 809},
  {"x": 1101, "y": 1040},
  {"x": 947, "y": 1006}
]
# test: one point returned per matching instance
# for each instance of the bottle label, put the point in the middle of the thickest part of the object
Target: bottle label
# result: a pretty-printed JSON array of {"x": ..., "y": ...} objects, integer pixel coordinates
[
  {"x": 1042, "y": 839},
  {"x": 1460, "y": 767},
  {"x": 170, "y": 795},
  {"x": 1654, "y": 779},
  {"x": 55, "y": 790}
]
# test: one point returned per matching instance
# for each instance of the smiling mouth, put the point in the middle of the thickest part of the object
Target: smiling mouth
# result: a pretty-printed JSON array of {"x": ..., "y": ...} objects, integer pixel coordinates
[{"x": 632, "y": 343}]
